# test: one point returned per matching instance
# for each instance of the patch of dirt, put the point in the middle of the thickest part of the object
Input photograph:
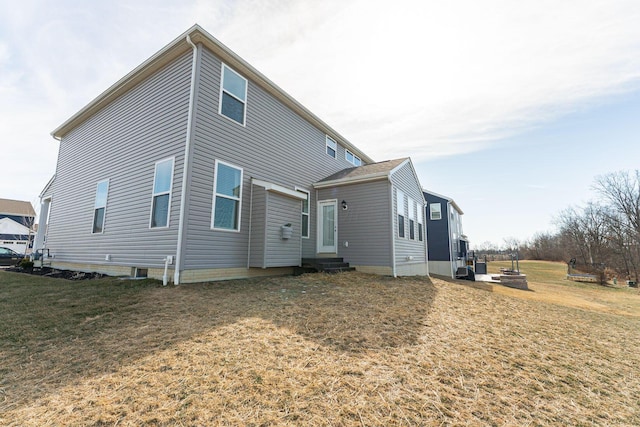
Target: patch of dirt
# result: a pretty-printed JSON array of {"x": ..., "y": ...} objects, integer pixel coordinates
[{"x": 58, "y": 274}]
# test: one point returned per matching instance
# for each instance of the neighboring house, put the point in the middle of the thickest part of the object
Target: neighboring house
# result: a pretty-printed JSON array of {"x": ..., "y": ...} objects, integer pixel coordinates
[
  {"x": 17, "y": 220},
  {"x": 196, "y": 164},
  {"x": 448, "y": 246}
]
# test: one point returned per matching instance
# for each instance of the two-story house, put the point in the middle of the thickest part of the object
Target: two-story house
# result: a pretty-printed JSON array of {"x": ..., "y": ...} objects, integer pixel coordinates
[
  {"x": 195, "y": 166},
  {"x": 448, "y": 246}
]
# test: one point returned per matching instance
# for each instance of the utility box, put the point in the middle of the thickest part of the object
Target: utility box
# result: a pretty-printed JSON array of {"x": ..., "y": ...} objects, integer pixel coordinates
[{"x": 286, "y": 231}]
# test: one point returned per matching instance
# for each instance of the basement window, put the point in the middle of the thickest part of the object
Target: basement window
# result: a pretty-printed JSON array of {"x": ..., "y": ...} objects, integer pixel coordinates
[{"x": 140, "y": 273}]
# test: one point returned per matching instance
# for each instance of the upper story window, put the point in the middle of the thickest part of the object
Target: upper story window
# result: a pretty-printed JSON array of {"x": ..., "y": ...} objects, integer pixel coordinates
[
  {"x": 161, "y": 199},
  {"x": 100, "y": 206},
  {"x": 233, "y": 95},
  {"x": 227, "y": 197},
  {"x": 352, "y": 158},
  {"x": 435, "y": 211},
  {"x": 401, "y": 212},
  {"x": 305, "y": 214},
  {"x": 332, "y": 147}
]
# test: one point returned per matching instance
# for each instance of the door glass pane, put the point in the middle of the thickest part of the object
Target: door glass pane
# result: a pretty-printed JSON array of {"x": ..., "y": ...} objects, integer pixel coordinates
[{"x": 328, "y": 237}]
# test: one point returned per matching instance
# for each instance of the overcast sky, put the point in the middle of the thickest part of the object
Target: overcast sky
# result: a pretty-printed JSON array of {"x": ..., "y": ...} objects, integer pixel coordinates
[{"x": 509, "y": 107}]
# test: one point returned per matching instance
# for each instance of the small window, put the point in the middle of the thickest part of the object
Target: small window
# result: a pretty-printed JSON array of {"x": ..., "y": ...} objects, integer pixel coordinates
[
  {"x": 233, "y": 95},
  {"x": 412, "y": 219},
  {"x": 352, "y": 158},
  {"x": 401, "y": 212},
  {"x": 161, "y": 200},
  {"x": 305, "y": 214},
  {"x": 435, "y": 211},
  {"x": 100, "y": 206},
  {"x": 227, "y": 198},
  {"x": 332, "y": 147}
]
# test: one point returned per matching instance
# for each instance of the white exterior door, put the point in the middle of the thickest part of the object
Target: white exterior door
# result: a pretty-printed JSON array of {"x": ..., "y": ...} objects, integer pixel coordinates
[{"x": 328, "y": 226}]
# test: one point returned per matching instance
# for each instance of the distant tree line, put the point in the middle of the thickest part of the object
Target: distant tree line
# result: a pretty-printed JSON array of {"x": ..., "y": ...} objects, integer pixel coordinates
[{"x": 602, "y": 235}]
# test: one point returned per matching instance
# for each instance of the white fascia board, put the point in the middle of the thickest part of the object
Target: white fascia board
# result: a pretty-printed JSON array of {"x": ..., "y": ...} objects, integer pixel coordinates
[
  {"x": 270, "y": 186},
  {"x": 345, "y": 181},
  {"x": 453, "y": 203}
]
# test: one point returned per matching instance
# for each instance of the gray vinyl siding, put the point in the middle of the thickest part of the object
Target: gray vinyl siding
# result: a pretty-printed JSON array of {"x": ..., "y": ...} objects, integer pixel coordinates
[
  {"x": 404, "y": 180},
  {"x": 258, "y": 227},
  {"x": 122, "y": 143},
  {"x": 280, "y": 252},
  {"x": 276, "y": 145},
  {"x": 270, "y": 211},
  {"x": 365, "y": 224}
]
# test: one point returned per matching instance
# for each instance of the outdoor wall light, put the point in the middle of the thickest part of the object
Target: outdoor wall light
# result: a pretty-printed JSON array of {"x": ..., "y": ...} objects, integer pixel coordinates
[{"x": 344, "y": 206}]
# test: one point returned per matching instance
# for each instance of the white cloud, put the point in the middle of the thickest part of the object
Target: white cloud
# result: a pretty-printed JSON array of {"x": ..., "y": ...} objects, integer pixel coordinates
[
  {"x": 424, "y": 74},
  {"x": 398, "y": 78}
]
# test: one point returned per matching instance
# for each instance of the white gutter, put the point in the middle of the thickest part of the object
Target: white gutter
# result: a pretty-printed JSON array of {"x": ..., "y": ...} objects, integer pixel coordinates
[{"x": 185, "y": 168}]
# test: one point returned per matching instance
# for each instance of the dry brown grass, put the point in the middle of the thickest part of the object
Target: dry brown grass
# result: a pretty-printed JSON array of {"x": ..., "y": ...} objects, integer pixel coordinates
[{"x": 349, "y": 349}]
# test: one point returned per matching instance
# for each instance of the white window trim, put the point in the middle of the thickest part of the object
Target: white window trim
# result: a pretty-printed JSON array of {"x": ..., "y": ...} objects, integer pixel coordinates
[
  {"x": 239, "y": 199},
  {"x": 308, "y": 214},
  {"x": 334, "y": 148},
  {"x": 411, "y": 204},
  {"x": 246, "y": 89},
  {"x": 432, "y": 211},
  {"x": 354, "y": 163},
  {"x": 104, "y": 215},
  {"x": 421, "y": 222},
  {"x": 401, "y": 211},
  {"x": 154, "y": 194}
]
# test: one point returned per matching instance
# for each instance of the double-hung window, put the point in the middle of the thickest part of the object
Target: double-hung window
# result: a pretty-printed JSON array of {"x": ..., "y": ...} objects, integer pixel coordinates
[
  {"x": 332, "y": 147},
  {"x": 420, "y": 222},
  {"x": 161, "y": 199},
  {"x": 227, "y": 197},
  {"x": 233, "y": 95},
  {"x": 352, "y": 158},
  {"x": 435, "y": 211},
  {"x": 401, "y": 212},
  {"x": 412, "y": 219},
  {"x": 305, "y": 214},
  {"x": 100, "y": 206}
]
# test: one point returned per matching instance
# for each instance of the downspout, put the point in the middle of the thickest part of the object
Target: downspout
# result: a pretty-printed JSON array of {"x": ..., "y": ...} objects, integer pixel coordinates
[
  {"x": 187, "y": 160},
  {"x": 250, "y": 224},
  {"x": 393, "y": 230}
]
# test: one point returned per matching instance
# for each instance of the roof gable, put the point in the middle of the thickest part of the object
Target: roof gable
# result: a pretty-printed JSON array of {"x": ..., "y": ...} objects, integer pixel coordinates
[
  {"x": 370, "y": 172},
  {"x": 16, "y": 207},
  {"x": 9, "y": 226}
]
